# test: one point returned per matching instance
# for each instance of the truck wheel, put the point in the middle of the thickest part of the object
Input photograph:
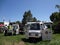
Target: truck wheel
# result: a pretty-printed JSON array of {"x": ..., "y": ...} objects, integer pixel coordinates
[{"x": 41, "y": 38}]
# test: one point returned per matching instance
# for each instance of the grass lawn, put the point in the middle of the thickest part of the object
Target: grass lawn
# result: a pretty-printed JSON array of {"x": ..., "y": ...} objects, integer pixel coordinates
[{"x": 20, "y": 40}]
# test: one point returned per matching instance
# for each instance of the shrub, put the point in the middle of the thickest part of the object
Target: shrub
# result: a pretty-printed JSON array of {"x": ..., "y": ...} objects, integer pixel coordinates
[{"x": 56, "y": 27}]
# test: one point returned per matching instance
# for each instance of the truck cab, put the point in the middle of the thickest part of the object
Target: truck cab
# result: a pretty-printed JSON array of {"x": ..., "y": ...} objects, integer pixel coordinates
[
  {"x": 11, "y": 29},
  {"x": 16, "y": 28},
  {"x": 34, "y": 29}
]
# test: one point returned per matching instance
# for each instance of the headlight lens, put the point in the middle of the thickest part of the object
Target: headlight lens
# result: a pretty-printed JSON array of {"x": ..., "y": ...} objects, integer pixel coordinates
[{"x": 29, "y": 33}]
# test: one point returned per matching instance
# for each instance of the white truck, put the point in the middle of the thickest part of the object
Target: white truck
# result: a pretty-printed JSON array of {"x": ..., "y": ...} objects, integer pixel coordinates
[
  {"x": 34, "y": 29},
  {"x": 13, "y": 30},
  {"x": 16, "y": 28}
]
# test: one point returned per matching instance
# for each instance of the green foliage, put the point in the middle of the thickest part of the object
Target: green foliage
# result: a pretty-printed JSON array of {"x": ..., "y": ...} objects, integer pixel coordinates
[
  {"x": 27, "y": 17},
  {"x": 1, "y": 22},
  {"x": 18, "y": 22},
  {"x": 58, "y": 6},
  {"x": 55, "y": 18},
  {"x": 34, "y": 19},
  {"x": 56, "y": 27}
]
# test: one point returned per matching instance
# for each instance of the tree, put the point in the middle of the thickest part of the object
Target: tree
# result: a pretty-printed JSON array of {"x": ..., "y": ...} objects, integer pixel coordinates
[
  {"x": 1, "y": 22},
  {"x": 38, "y": 21},
  {"x": 34, "y": 19},
  {"x": 58, "y": 6},
  {"x": 27, "y": 17},
  {"x": 18, "y": 22},
  {"x": 55, "y": 17}
]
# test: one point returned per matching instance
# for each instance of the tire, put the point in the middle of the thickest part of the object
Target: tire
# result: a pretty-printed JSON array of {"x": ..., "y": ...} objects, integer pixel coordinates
[{"x": 40, "y": 38}]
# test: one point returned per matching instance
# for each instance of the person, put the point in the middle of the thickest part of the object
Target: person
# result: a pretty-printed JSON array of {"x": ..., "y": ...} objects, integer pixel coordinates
[
  {"x": 14, "y": 29},
  {"x": 5, "y": 30},
  {"x": 10, "y": 27}
]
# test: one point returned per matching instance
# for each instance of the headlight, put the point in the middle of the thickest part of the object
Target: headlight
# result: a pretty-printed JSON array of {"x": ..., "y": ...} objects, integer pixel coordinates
[{"x": 29, "y": 33}]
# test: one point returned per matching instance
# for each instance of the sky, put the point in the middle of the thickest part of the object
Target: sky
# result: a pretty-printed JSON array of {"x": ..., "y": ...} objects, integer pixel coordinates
[{"x": 13, "y": 10}]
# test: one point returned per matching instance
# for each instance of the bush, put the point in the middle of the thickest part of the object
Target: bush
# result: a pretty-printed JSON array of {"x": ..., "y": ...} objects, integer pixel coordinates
[{"x": 56, "y": 27}]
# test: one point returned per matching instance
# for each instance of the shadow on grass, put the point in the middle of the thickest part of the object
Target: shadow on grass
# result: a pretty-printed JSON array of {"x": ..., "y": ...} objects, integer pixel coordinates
[
  {"x": 32, "y": 40},
  {"x": 10, "y": 34},
  {"x": 21, "y": 33}
]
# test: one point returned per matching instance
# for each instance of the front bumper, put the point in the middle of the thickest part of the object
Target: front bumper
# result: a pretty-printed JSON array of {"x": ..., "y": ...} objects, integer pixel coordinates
[
  {"x": 34, "y": 35},
  {"x": 9, "y": 31}
]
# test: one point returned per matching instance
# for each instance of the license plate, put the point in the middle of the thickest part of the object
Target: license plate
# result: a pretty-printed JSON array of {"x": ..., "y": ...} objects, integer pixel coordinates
[{"x": 32, "y": 34}]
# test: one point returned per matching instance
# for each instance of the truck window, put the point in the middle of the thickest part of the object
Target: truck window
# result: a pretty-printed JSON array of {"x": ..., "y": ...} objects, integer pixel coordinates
[
  {"x": 43, "y": 26},
  {"x": 15, "y": 27},
  {"x": 35, "y": 26}
]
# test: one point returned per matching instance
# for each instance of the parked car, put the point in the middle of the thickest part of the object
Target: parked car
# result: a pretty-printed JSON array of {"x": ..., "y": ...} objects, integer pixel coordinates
[{"x": 34, "y": 29}]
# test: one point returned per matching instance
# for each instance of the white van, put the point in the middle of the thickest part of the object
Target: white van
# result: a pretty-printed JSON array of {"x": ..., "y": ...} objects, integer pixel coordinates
[{"x": 34, "y": 29}]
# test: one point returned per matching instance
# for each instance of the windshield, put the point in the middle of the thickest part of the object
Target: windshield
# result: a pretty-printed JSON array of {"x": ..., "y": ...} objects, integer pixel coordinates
[
  {"x": 35, "y": 26},
  {"x": 15, "y": 27}
]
